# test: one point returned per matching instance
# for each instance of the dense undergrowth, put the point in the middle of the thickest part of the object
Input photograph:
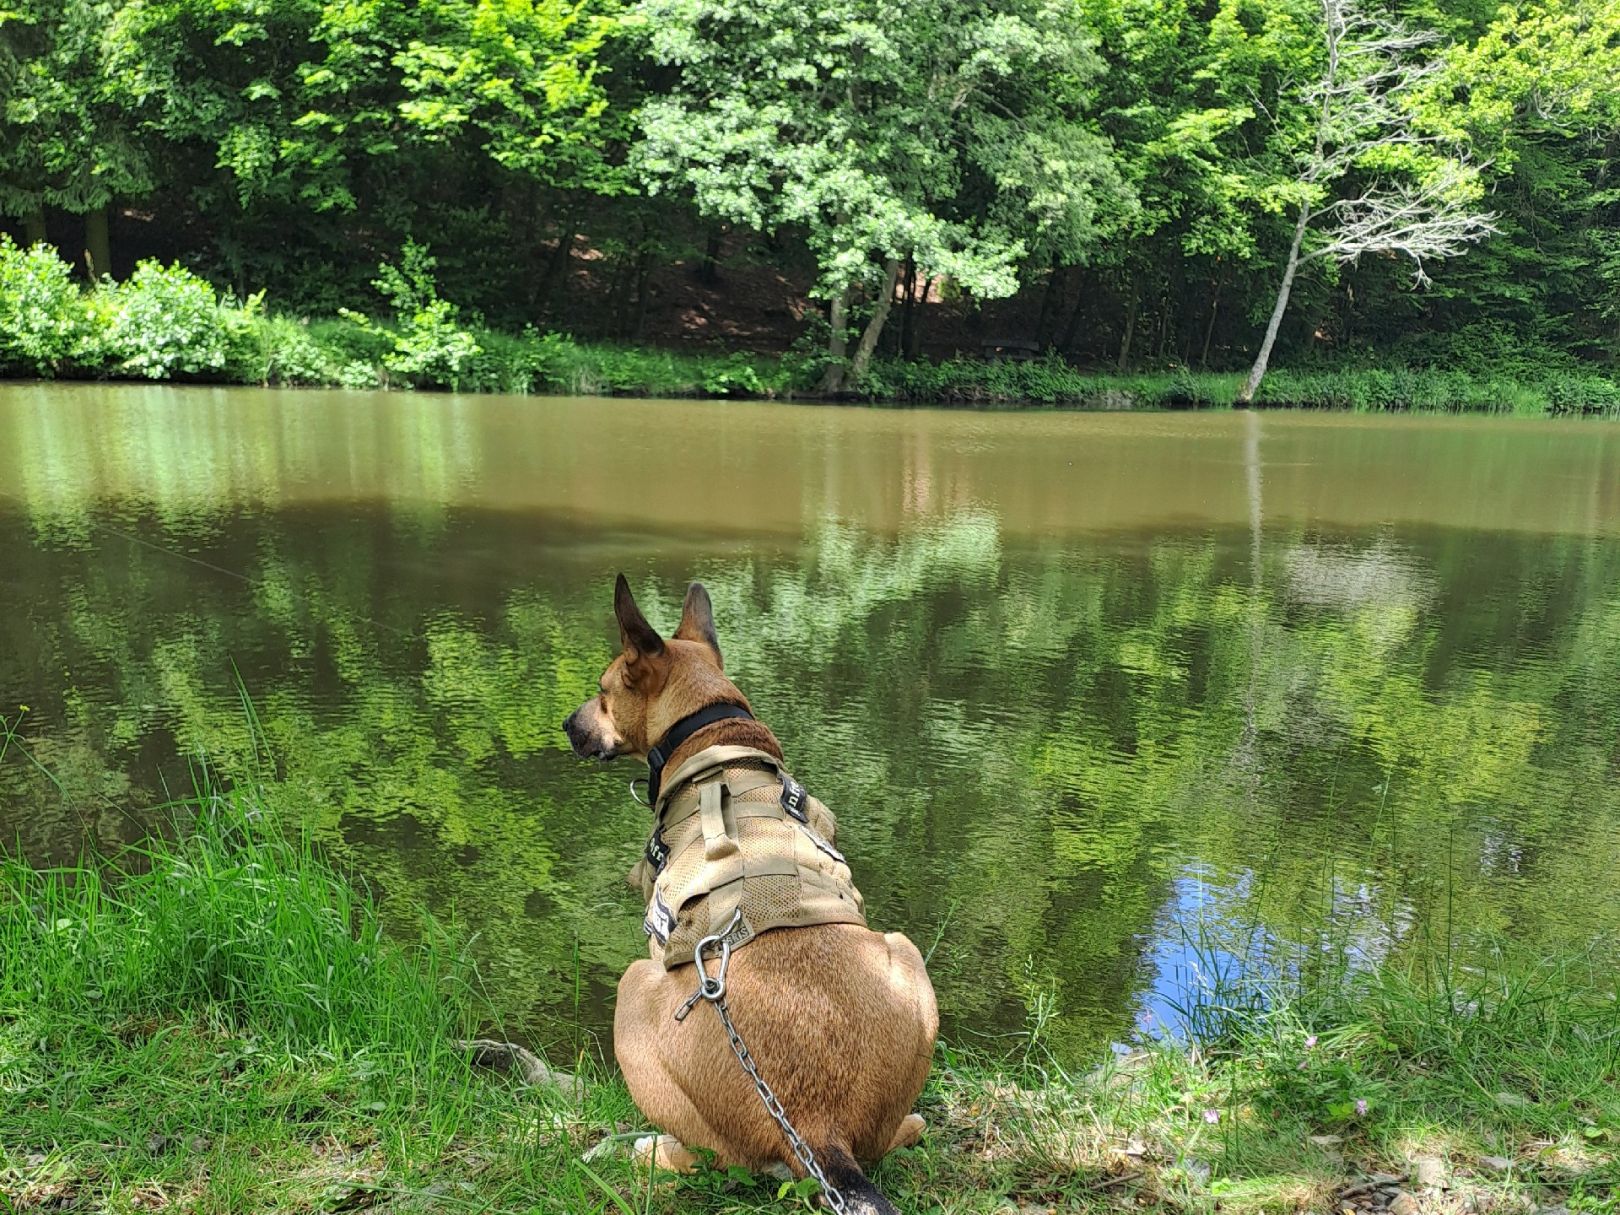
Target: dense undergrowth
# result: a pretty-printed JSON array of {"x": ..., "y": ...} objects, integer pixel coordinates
[
  {"x": 215, "y": 1022},
  {"x": 166, "y": 323}
]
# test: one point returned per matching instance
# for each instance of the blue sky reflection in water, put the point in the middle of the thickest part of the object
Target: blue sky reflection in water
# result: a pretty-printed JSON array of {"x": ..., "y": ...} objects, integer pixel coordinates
[{"x": 1078, "y": 686}]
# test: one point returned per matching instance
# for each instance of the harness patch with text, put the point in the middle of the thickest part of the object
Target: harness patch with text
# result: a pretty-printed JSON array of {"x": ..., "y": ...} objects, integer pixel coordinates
[
  {"x": 657, "y": 852},
  {"x": 660, "y": 921},
  {"x": 794, "y": 797}
]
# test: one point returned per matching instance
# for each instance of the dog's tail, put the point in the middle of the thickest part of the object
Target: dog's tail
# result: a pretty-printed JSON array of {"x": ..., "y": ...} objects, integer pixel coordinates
[{"x": 863, "y": 1197}]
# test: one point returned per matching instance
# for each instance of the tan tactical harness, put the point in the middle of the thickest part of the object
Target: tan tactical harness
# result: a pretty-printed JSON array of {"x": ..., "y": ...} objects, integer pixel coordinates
[{"x": 732, "y": 831}]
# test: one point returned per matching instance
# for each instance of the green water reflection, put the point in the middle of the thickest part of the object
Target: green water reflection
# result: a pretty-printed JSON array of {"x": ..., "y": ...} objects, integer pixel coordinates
[{"x": 1070, "y": 681}]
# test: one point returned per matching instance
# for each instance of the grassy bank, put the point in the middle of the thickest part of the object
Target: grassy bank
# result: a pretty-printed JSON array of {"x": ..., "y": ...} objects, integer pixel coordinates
[
  {"x": 164, "y": 323},
  {"x": 216, "y": 1023}
]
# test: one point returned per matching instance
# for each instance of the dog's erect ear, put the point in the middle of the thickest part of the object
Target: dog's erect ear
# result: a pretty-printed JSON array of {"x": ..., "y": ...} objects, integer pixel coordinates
[
  {"x": 637, "y": 636},
  {"x": 697, "y": 618}
]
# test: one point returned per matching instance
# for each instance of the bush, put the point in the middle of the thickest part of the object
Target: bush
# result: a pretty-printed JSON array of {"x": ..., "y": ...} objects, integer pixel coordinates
[
  {"x": 734, "y": 375},
  {"x": 429, "y": 347},
  {"x": 296, "y": 357},
  {"x": 1584, "y": 394},
  {"x": 276, "y": 350},
  {"x": 528, "y": 362},
  {"x": 44, "y": 324},
  {"x": 163, "y": 321}
]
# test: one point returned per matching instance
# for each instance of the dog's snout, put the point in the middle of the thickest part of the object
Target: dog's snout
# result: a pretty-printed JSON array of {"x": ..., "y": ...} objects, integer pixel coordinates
[{"x": 585, "y": 737}]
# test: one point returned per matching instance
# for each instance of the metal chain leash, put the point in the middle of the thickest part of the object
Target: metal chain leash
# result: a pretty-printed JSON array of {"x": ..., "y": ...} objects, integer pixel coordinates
[{"x": 714, "y": 991}]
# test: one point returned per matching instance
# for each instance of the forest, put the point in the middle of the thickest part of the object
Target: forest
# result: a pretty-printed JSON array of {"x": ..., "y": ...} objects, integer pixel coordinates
[{"x": 1129, "y": 185}]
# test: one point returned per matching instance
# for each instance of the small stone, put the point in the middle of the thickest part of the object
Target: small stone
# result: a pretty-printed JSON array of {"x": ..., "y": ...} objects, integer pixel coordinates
[
  {"x": 1512, "y": 1099},
  {"x": 1429, "y": 1172},
  {"x": 1495, "y": 1164},
  {"x": 1403, "y": 1204}
]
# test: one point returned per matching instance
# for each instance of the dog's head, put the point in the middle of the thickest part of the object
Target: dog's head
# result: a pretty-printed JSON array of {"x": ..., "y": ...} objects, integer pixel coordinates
[{"x": 653, "y": 683}]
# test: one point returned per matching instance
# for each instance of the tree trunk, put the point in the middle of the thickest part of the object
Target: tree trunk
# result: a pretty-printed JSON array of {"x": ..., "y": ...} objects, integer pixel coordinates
[
  {"x": 618, "y": 298},
  {"x": 1209, "y": 330},
  {"x": 34, "y": 227},
  {"x": 1130, "y": 331},
  {"x": 874, "y": 327},
  {"x": 709, "y": 267},
  {"x": 644, "y": 267},
  {"x": 1258, "y": 371},
  {"x": 1072, "y": 329},
  {"x": 557, "y": 269},
  {"x": 915, "y": 335},
  {"x": 1057, "y": 277},
  {"x": 908, "y": 309},
  {"x": 832, "y": 378},
  {"x": 97, "y": 242}
]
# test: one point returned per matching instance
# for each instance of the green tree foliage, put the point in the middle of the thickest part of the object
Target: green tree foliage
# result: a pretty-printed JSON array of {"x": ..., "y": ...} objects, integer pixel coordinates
[
  {"x": 1126, "y": 175},
  {"x": 1535, "y": 92},
  {"x": 951, "y": 136},
  {"x": 64, "y": 142}
]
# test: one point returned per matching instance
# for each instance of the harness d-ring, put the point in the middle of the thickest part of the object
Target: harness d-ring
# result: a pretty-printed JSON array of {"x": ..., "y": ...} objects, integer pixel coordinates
[
  {"x": 636, "y": 797},
  {"x": 711, "y": 989}
]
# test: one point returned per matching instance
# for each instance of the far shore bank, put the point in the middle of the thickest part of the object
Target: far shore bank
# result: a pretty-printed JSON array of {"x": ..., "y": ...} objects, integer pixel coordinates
[
  {"x": 566, "y": 368},
  {"x": 165, "y": 323}
]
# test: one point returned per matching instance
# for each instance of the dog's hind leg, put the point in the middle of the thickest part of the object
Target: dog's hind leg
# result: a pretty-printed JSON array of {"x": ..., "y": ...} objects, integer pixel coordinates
[
  {"x": 907, "y": 1134},
  {"x": 641, "y": 1024}
]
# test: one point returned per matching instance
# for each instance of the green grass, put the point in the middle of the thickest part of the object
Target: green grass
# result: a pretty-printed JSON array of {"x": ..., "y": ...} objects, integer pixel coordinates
[
  {"x": 215, "y": 1022},
  {"x": 1540, "y": 392}
]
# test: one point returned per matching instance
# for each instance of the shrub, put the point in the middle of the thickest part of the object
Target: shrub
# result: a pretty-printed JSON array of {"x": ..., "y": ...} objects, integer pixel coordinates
[
  {"x": 265, "y": 349},
  {"x": 359, "y": 374},
  {"x": 734, "y": 375},
  {"x": 1582, "y": 394},
  {"x": 299, "y": 359},
  {"x": 43, "y": 320},
  {"x": 528, "y": 362},
  {"x": 429, "y": 347},
  {"x": 162, "y": 321}
]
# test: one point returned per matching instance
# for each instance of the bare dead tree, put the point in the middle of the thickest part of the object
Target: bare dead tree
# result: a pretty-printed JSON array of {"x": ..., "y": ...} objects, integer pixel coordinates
[{"x": 1360, "y": 104}]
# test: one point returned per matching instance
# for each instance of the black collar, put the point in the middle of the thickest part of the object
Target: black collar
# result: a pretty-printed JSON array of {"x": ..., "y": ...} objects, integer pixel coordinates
[{"x": 679, "y": 733}]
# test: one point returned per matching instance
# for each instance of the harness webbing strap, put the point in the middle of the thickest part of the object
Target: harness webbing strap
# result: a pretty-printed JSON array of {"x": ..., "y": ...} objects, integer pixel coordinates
[{"x": 719, "y": 836}]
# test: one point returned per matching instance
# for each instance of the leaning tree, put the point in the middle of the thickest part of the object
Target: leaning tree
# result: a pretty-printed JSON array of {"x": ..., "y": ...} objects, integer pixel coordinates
[{"x": 1369, "y": 178}]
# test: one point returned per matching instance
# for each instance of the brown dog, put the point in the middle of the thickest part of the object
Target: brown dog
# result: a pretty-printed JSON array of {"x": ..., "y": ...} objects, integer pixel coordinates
[{"x": 840, "y": 1019}]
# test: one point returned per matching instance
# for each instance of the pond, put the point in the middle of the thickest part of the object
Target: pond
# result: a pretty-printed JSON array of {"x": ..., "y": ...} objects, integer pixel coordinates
[{"x": 1097, "y": 697}]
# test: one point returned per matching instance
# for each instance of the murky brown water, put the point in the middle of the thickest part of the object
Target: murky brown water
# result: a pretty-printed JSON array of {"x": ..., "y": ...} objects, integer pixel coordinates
[{"x": 1078, "y": 685}]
